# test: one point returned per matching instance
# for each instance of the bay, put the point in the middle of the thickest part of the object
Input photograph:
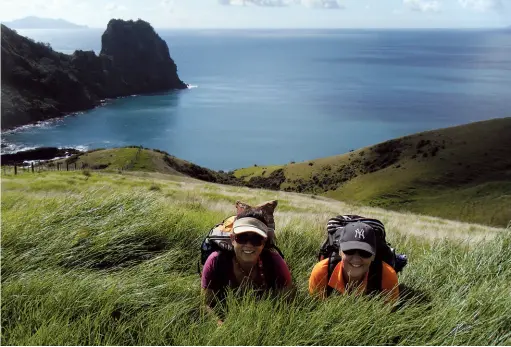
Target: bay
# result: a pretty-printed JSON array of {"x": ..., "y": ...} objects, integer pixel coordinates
[{"x": 274, "y": 96}]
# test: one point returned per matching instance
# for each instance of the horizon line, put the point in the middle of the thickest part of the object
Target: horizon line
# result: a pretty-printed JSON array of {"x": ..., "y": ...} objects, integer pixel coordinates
[{"x": 85, "y": 27}]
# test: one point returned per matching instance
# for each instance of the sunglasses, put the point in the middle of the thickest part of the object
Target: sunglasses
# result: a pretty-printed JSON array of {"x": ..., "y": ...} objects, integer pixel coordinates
[
  {"x": 361, "y": 253},
  {"x": 254, "y": 239}
]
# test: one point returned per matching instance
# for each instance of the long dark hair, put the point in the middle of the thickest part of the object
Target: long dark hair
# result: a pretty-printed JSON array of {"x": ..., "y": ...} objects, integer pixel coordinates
[{"x": 257, "y": 214}]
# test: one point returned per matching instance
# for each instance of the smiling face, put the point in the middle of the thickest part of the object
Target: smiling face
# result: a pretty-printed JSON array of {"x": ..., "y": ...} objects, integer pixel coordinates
[
  {"x": 355, "y": 266},
  {"x": 247, "y": 247}
]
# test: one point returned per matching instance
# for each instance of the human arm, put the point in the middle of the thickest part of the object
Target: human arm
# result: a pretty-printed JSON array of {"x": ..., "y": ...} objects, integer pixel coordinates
[
  {"x": 318, "y": 280},
  {"x": 209, "y": 303},
  {"x": 390, "y": 288},
  {"x": 284, "y": 282},
  {"x": 210, "y": 287}
]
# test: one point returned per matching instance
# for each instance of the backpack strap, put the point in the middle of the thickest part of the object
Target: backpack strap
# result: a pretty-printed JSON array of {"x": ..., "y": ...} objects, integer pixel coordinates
[
  {"x": 333, "y": 260},
  {"x": 375, "y": 277},
  {"x": 269, "y": 268}
]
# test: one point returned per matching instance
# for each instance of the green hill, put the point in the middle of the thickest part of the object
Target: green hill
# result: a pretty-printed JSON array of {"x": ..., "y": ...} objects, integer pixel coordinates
[
  {"x": 107, "y": 258},
  {"x": 141, "y": 159},
  {"x": 461, "y": 173}
]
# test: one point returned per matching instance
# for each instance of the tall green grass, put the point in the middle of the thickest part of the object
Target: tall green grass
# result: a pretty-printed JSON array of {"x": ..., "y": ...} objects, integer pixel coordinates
[{"x": 94, "y": 261}]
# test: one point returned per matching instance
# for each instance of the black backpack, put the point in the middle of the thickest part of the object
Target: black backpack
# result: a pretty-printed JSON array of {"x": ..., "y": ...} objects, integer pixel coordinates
[
  {"x": 384, "y": 252},
  {"x": 218, "y": 240}
]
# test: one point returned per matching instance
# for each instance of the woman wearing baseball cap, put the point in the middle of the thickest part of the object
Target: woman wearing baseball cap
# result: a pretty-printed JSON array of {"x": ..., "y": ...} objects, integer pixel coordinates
[
  {"x": 358, "y": 250},
  {"x": 250, "y": 264}
]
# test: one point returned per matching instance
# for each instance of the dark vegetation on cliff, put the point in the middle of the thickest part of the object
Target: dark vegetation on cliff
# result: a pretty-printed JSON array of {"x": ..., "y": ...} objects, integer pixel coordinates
[{"x": 39, "y": 83}]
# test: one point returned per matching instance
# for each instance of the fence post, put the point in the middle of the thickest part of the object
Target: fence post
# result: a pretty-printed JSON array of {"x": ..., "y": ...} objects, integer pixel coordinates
[
  {"x": 32, "y": 167},
  {"x": 15, "y": 169},
  {"x": 67, "y": 166}
]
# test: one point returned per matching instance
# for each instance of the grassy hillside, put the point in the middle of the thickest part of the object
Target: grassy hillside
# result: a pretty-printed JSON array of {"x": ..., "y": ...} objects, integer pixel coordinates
[
  {"x": 461, "y": 173},
  {"x": 145, "y": 160},
  {"x": 101, "y": 258}
]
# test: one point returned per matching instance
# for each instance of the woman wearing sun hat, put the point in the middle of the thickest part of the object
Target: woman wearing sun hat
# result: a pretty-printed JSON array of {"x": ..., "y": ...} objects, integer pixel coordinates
[
  {"x": 249, "y": 265},
  {"x": 358, "y": 250}
]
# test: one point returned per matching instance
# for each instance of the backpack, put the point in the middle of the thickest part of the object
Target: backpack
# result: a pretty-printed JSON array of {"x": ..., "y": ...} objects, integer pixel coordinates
[
  {"x": 218, "y": 239},
  {"x": 384, "y": 251}
]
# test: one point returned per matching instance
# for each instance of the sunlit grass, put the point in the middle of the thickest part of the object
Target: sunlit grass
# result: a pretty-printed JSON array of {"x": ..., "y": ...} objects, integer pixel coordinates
[{"x": 111, "y": 260}]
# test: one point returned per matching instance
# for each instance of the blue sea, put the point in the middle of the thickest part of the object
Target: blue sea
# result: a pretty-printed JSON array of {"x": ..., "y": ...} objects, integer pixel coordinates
[{"x": 275, "y": 96}]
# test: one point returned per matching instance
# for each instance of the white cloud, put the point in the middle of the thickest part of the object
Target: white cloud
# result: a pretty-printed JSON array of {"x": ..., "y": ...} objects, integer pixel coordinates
[
  {"x": 167, "y": 3},
  {"x": 422, "y": 5},
  {"x": 168, "y": 6},
  {"x": 482, "y": 5},
  {"x": 264, "y": 3},
  {"x": 324, "y": 4},
  {"x": 111, "y": 7},
  {"x": 327, "y": 4}
]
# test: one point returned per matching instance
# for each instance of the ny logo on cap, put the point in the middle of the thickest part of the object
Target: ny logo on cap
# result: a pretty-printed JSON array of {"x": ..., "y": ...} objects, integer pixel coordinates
[{"x": 359, "y": 234}]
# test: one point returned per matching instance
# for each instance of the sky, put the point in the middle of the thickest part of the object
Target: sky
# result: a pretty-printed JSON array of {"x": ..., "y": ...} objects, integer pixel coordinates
[{"x": 271, "y": 13}]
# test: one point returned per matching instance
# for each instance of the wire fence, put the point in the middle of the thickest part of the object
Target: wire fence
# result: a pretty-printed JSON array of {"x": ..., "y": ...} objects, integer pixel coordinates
[{"x": 40, "y": 167}]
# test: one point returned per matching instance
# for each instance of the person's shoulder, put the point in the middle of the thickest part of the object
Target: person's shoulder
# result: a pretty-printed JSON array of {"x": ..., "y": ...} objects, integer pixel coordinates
[
  {"x": 318, "y": 278},
  {"x": 273, "y": 255},
  {"x": 213, "y": 256},
  {"x": 387, "y": 269},
  {"x": 320, "y": 267},
  {"x": 389, "y": 275},
  {"x": 213, "y": 259},
  {"x": 213, "y": 272}
]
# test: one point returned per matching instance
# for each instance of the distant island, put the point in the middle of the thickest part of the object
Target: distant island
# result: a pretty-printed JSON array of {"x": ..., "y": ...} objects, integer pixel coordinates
[{"x": 33, "y": 22}]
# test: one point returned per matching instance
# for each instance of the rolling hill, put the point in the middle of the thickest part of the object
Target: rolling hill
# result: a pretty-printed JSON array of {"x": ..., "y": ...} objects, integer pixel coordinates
[{"x": 461, "y": 172}]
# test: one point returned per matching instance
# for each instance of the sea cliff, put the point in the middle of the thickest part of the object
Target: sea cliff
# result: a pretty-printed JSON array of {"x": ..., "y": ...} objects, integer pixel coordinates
[{"x": 39, "y": 83}]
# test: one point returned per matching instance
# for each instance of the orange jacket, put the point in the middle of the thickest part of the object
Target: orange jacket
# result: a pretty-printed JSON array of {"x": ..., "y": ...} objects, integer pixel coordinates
[{"x": 318, "y": 280}]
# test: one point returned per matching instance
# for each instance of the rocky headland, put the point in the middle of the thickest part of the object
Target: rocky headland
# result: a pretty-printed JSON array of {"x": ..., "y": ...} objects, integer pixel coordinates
[{"x": 39, "y": 83}]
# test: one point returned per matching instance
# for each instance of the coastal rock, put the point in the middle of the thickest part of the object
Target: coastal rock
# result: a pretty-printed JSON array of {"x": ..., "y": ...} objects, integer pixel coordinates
[
  {"x": 137, "y": 59},
  {"x": 39, "y": 83},
  {"x": 41, "y": 153}
]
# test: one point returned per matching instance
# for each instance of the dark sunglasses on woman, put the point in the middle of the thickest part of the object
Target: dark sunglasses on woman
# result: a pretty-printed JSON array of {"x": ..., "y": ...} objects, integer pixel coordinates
[
  {"x": 254, "y": 239},
  {"x": 361, "y": 253}
]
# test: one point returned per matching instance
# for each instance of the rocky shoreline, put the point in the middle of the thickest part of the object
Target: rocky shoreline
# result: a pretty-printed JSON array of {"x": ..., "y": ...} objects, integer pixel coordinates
[
  {"x": 39, "y": 83},
  {"x": 38, "y": 154}
]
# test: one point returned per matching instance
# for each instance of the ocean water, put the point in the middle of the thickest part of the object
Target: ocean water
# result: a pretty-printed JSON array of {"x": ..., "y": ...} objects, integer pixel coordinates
[{"x": 275, "y": 96}]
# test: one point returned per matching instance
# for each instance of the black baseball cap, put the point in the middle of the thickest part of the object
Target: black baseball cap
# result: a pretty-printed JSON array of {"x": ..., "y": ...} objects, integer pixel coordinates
[{"x": 358, "y": 235}]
